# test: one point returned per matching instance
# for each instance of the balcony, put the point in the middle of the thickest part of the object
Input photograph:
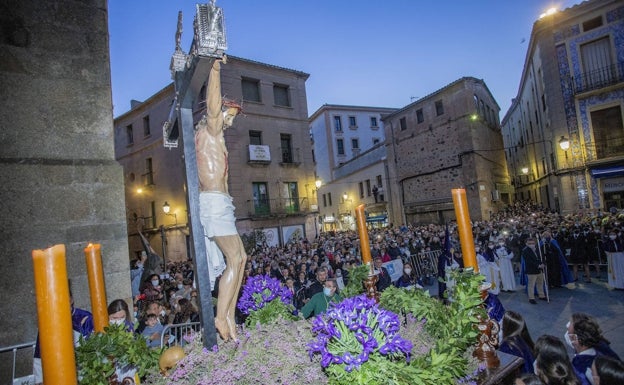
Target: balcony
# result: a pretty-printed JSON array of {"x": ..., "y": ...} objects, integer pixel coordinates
[
  {"x": 614, "y": 147},
  {"x": 599, "y": 78},
  {"x": 280, "y": 207}
]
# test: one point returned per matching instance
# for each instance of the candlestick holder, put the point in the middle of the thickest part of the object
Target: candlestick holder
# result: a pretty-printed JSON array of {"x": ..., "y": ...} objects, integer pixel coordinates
[
  {"x": 488, "y": 337},
  {"x": 370, "y": 284}
]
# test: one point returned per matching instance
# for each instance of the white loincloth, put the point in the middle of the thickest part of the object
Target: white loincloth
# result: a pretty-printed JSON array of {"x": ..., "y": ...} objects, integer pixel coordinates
[{"x": 216, "y": 213}]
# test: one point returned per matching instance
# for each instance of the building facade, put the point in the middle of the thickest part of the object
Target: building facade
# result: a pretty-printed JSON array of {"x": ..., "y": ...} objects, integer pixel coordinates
[
  {"x": 350, "y": 156},
  {"x": 448, "y": 139},
  {"x": 564, "y": 133},
  {"x": 271, "y": 172}
]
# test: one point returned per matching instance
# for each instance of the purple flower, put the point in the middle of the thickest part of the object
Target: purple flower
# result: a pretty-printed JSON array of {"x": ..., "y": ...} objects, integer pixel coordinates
[
  {"x": 349, "y": 332},
  {"x": 260, "y": 290}
]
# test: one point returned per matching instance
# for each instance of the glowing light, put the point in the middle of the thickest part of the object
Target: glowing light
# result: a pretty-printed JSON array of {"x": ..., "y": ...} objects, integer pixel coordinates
[
  {"x": 548, "y": 12},
  {"x": 139, "y": 190}
]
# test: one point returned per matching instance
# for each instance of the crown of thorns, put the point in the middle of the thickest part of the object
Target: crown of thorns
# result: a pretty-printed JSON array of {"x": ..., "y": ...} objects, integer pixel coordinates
[{"x": 229, "y": 103}]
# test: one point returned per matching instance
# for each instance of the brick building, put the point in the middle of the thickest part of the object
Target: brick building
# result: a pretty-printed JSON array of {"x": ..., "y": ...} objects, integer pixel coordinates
[
  {"x": 271, "y": 172},
  {"x": 448, "y": 139}
]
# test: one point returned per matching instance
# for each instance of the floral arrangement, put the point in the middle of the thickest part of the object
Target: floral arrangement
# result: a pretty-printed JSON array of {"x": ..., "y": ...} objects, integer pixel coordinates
[
  {"x": 355, "y": 338},
  {"x": 355, "y": 342},
  {"x": 264, "y": 299}
]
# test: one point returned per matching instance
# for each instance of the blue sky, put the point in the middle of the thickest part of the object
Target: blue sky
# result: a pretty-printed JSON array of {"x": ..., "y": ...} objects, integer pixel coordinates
[{"x": 368, "y": 53}]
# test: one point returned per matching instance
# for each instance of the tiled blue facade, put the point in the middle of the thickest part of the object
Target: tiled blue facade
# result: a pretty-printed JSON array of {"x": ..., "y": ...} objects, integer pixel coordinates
[{"x": 569, "y": 60}]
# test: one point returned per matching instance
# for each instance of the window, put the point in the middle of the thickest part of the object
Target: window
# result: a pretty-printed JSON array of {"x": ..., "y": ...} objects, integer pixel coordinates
[
  {"x": 153, "y": 213},
  {"x": 352, "y": 122},
  {"x": 324, "y": 200},
  {"x": 291, "y": 197},
  {"x": 592, "y": 23},
  {"x": 281, "y": 95},
  {"x": 337, "y": 123},
  {"x": 403, "y": 123},
  {"x": 439, "y": 108},
  {"x": 251, "y": 90},
  {"x": 329, "y": 198},
  {"x": 287, "y": 155},
  {"x": 129, "y": 134},
  {"x": 355, "y": 144},
  {"x": 608, "y": 132},
  {"x": 368, "y": 188},
  {"x": 255, "y": 138},
  {"x": 597, "y": 69},
  {"x": 373, "y": 121},
  {"x": 340, "y": 146},
  {"x": 379, "y": 181},
  {"x": 146, "y": 126},
  {"x": 361, "y": 185},
  {"x": 149, "y": 172},
  {"x": 420, "y": 117},
  {"x": 376, "y": 141},
  {"x": 261, "y": 198}
]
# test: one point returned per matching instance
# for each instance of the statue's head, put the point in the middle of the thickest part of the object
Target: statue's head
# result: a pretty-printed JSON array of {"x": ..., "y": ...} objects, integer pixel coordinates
[
  {"x": 228, "y": 116},
  {"x": 230, "y": 110}
]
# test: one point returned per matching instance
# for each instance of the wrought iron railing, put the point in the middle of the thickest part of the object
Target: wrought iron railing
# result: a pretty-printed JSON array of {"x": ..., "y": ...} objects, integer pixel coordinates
[
  {"x": 599, "y": 78},
  {"x": 279, "y": 206},
  {"x": 605, "y": 149}
]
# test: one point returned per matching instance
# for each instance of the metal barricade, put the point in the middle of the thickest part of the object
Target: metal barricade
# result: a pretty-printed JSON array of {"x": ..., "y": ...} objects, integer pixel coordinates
[
  {"x": 13, "y": 349},
  {"x": 426, "y": 265},
  {"x": 179, "y": 334}
]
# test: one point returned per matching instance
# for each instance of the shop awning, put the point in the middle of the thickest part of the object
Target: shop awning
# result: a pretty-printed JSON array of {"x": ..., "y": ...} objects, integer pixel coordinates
[
  {"x": 377, "y": 218},
  {"x": 607, "y": 172}
]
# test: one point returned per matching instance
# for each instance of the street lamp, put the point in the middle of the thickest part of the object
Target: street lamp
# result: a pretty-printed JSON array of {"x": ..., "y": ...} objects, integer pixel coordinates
[
  {"x": 318, "y": 184},
  {"x": 167, "y": 209},
  {"x": 564, "y": 143},
  {"x": 525, "y": 170}
]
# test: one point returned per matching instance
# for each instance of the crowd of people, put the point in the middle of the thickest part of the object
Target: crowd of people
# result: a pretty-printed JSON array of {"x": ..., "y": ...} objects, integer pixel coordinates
[{"x": 546, "y": 361}]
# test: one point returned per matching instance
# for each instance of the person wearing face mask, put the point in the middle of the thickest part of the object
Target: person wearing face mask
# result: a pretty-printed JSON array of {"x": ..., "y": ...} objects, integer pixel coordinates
[
  {"x": 614, "y": 248},
  {"x": 505, "y": 255},
  {"x": 152, "y": 288},
  {"x": 488, "y": 267},
  {"x": 119, "y": 314},
  {"x": 583, "y": 334},
  {"x": 408, "y": 279},
  {"x": 580, "y": 251},
  {"x": 532, "y": 271},
  {"x": 556, "y": 264},
  {"x": 320, "y": 301}
]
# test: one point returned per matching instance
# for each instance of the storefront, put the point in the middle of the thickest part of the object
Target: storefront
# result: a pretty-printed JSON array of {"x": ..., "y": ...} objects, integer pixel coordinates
[
  {"x": 613, "y": 193},
  {"x": 611, "y": 182}
]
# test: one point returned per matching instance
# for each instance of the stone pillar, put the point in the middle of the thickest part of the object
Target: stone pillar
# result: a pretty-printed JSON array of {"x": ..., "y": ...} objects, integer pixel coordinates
[{"x": 59, "y": 181}]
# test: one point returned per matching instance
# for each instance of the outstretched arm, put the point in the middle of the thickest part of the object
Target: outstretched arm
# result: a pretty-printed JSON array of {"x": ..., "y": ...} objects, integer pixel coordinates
[{"x": 214, "y": 115}]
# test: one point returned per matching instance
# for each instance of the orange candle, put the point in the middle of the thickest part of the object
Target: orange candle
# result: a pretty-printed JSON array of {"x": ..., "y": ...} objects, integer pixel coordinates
[
  {"x": 465, "y": 229},
  {"x": 54, "y": 314},
  {"x": 97, "y": 288},
  {"x": 363, "y": 234}
]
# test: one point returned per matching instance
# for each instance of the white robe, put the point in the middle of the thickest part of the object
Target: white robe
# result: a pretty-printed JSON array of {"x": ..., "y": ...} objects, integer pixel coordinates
[
  {"x": 615, "y": 272},
  {"x": 508, "y": 279},
  {"x": 491, "y": 271}
]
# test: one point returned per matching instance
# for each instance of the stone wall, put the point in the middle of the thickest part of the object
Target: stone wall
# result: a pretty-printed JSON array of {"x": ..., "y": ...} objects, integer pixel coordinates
[{"x": 59, "y": 182}]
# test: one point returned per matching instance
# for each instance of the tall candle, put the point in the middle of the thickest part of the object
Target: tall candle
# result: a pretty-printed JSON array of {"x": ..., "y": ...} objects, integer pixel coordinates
[
  {"x": 54, "y": 313},
  {"x": 465, "y": 228},
  {"x": 363, "y": 234},
  {"x": 97, "y": 288}
]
